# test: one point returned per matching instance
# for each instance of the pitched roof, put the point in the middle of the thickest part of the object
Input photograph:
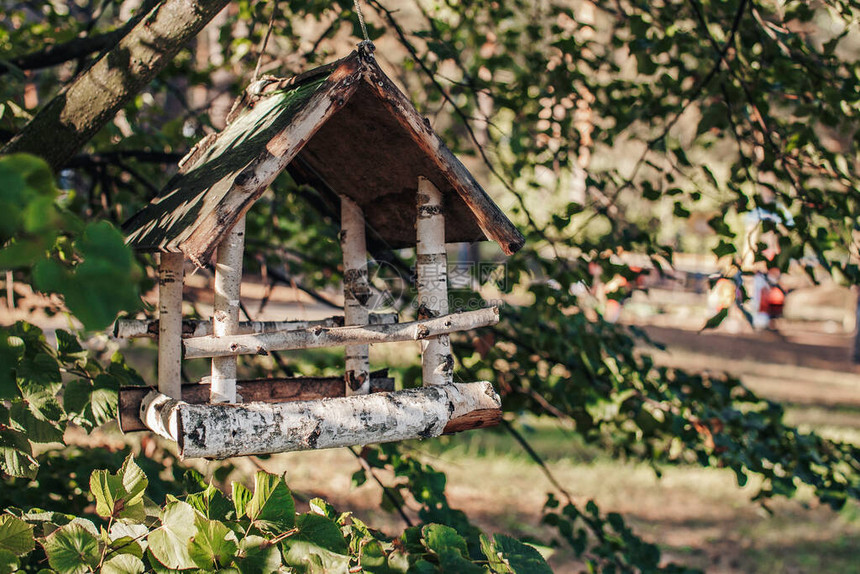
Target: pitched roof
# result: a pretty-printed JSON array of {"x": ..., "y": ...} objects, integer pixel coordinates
[{"x": 346, "y": 129}]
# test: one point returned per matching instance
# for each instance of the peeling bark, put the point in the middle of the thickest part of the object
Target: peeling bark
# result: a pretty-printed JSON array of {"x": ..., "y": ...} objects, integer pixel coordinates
[
  {"x": 437, "y": 363},
  {"x": 160, "y": 415},
  {"x": 225, "y": 320},
  {"x": 136, "y": 328},
  {"x": 356, "y": 292},
  {"x": 225, "y": 430},
  {"x": 319, "y": 337}
]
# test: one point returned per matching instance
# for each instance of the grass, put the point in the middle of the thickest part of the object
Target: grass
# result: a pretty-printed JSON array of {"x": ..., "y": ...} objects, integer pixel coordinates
[{"x": 699, "y": 517}]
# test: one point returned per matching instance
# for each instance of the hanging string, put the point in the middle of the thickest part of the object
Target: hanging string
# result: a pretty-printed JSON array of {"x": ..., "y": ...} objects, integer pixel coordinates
[
  {"x": 265, "y": 43},
  {"x": 366, "y": 41}
]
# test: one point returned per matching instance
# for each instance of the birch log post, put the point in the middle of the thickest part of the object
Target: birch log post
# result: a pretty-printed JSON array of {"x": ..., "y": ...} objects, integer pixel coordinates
[
  {"x": 225, "y": 430},
  {"x": 170, "y": 275},
  {"x": 225, "y": 320},
  {"x": 252, "y": 391},
  {"x": 432, "y": 281},
  {"x": 316, "y": 338},
  {"x": 356, "y": 292}
]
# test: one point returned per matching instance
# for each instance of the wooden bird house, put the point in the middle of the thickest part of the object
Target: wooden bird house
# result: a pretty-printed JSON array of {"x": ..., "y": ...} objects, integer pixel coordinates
[{"x": 347, "y": 130}]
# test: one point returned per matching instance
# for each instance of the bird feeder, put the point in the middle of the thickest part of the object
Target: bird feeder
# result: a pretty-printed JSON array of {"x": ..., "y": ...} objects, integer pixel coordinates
[{"x": 347, "y": 130}]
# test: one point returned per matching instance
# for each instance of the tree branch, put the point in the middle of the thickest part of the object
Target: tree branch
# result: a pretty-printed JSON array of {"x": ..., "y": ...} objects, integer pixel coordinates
[
  {"x": 76, "y": 48},
  {"x": 65, "y": 52},
  {"x": 115, "y": 157},
  {"x": 72, "y": 118}
]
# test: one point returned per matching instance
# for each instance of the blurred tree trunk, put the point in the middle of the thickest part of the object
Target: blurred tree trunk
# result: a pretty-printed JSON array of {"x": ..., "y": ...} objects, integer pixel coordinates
[
  {"x": 68, "y": 121},
  {"x": 856, "y": 354},
  {"x": 583, "y": 117}
]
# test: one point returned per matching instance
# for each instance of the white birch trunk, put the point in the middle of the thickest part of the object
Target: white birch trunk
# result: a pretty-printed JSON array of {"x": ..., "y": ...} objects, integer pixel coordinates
[
  {"x": 318, "y": 337},
  {"x": 356, "y": 292},
  {"x": 225, "y": 430},
  {"x": 136, "y": 328},
  {"x": 225, "y": 320},
  {"x": 170, "y": 275},
  {"x": 437, "y": 363}
]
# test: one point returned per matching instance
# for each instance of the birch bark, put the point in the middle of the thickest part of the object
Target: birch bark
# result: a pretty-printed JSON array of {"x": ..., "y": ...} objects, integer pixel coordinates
[
  {"x": 318, "y": 337},
  {"x": 356, "y": 292},
  {"x": 437, "y": 363},
  {"x": 225, "y": 430},
  {"x": 225, "y": 320}
]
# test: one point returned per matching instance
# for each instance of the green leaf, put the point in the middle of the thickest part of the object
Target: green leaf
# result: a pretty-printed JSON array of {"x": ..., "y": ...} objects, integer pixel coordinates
[
  {"x": 16, "y": 456},
  {"x": 319, "y": 543},
  {"x": 258, "y": 556},
  {"x": 439, "y": 538},
  {"x": 11, "y": 351},
  {"x": 241, "y": 498},
  {"x": 127, "y": 538},
  {"x": 38, "y": 372},
  {"x": 16, "y": 536},
  {"x": 100, "y": 286},
  {"x": 322, "y": 531},
  {"x": 375, "y": 560},
  {"x": 308, "y": 557},
  {"x": 271, "y": 507},
  {"x": 69, "y": 349},
  {"x": 211, "y": 503},
  {"x": 508, "y": 555},
  {"x": 715, "y": 321},
  {"x": 169, "y": 543},
  {"x": 72, "y": 549},
  {"x": 35, "y": 427},
  {"x": 92, "y": 403},
  {"x": 8, "y": 562},
  {"x": 450, "y": 548},
  {"x": 123, "y": 564},
  {"x": 724, "y": 249},
  {"x": 213, "y": 546},
  {"x": 120, "y": 495}
]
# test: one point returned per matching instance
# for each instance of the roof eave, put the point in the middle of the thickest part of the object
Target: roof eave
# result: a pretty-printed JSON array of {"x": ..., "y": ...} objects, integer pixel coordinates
[{"x": 490, "y": 218}]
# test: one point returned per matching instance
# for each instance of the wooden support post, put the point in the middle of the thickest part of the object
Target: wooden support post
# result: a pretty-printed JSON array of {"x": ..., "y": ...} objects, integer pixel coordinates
[
  {"x": 170, "y": 274},
  {"x": 356, "y": 292},
  {"x": 225, "y": 320},
  {"x": 432, "y": 282},
  {"x": 225, "y": 430}
]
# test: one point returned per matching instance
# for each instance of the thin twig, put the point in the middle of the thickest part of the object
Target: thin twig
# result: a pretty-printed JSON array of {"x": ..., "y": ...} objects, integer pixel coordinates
[
  {"x": 386, "y": 491},
  {"x": 265, "y": 42},
  {"x": 536, "y": 457},
  {"x": 464, "y": 117},
  {"x": 721, "y": 57}
]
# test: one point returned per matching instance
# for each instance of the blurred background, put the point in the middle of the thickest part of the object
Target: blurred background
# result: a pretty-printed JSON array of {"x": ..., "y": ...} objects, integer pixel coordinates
[{"x": 679, "y": 337}]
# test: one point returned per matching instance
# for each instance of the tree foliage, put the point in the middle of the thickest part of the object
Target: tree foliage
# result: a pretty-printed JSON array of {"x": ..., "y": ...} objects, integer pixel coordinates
[{"x": 585, "y": 120}]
